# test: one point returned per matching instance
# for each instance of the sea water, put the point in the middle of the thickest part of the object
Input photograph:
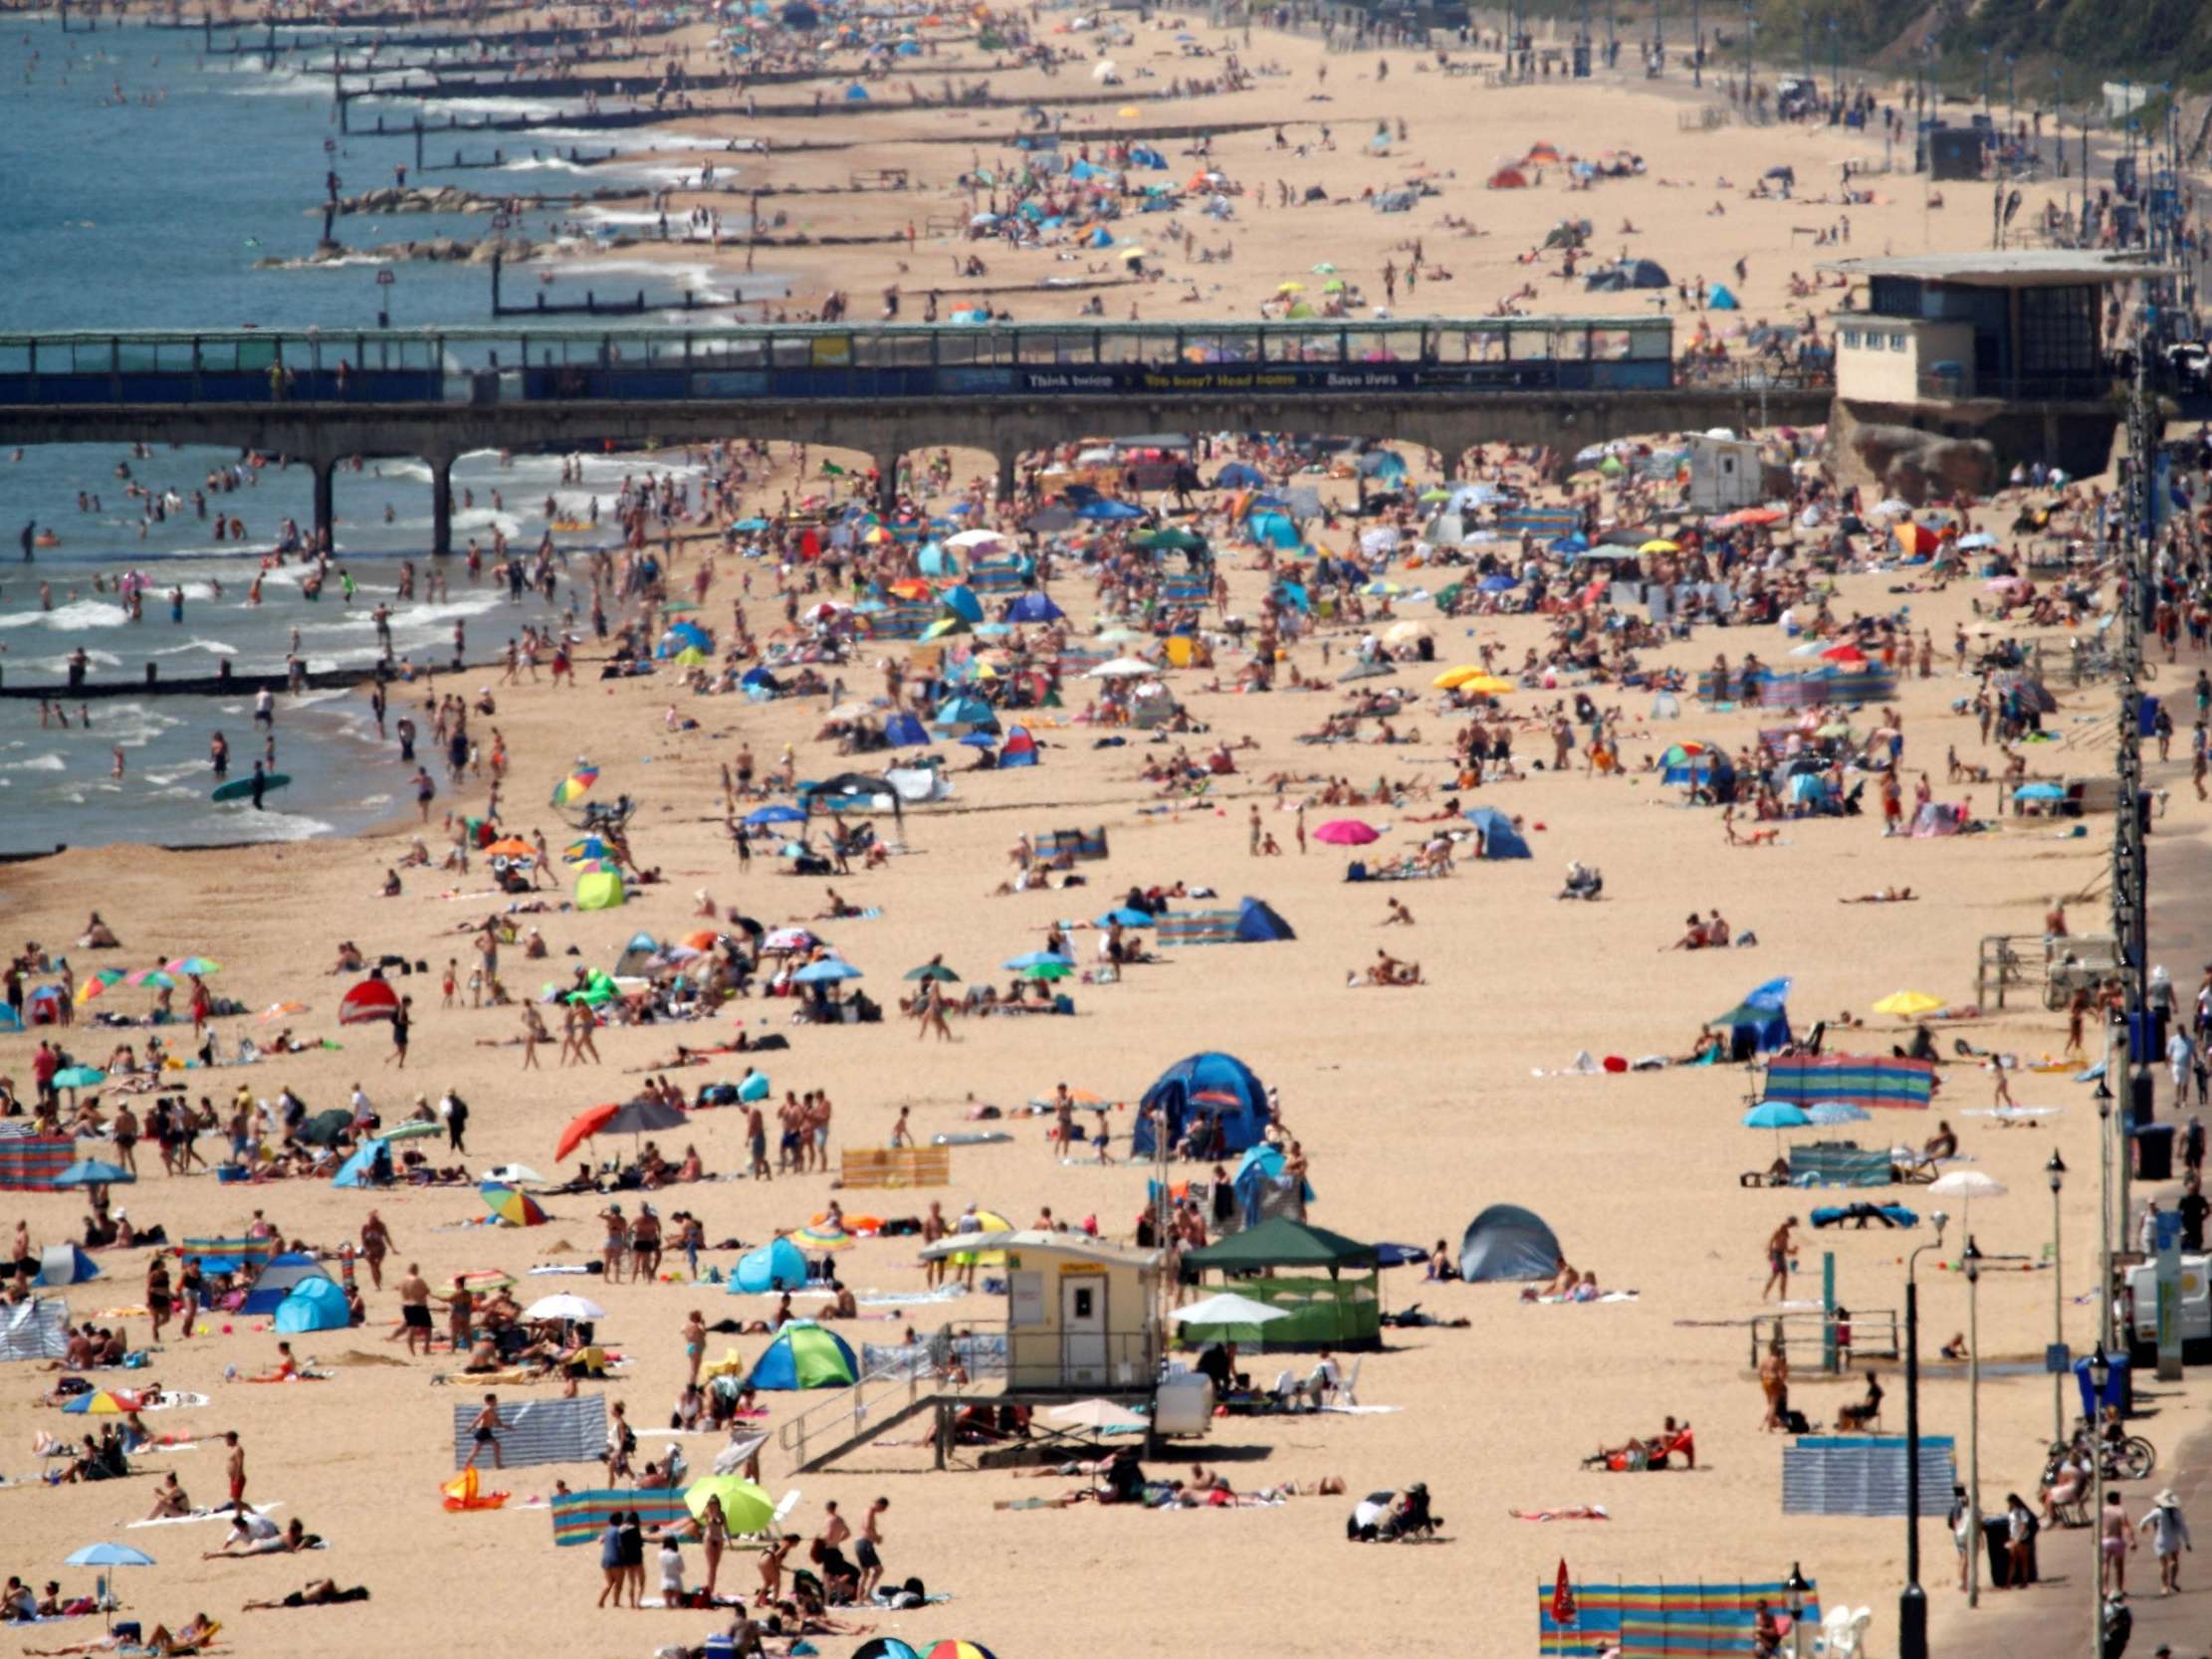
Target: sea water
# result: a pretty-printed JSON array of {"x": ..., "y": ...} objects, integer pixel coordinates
[{"x": 141, "y": 182}]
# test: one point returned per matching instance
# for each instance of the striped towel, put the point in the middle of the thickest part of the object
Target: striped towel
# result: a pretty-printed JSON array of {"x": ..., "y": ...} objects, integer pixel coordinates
[{"x": 538, "y": 1431}]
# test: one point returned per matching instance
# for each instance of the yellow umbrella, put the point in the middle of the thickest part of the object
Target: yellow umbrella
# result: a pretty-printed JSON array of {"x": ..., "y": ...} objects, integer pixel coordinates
[
  {"x": 1487, "y": 685},
  {"x": 1133, "y": 253},
  {"x": 1453, "y": 678},
  {"x": 1909, "y": 1004},
  {"x": 1128, "y": 112},
  {"x": 1290, "y": 288},
  {"x": 1658, "y": 544},
  {"x": 991, "y": 1223}
]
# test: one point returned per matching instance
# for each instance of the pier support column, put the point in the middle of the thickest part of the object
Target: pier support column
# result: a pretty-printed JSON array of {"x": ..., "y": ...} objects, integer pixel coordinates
[
  {"x": 887, "y": 482},
  {"x": 1010, "y": 480},
  {"x": 326, "y": 508},
  {"x": 441, "y": 506}
]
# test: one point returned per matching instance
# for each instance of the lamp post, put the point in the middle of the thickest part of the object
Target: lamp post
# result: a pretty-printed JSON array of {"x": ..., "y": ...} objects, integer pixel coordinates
[
  {"x": 1835, "y": 67},
  {"x": 1912, "y": 1604},
  {"x": 2056, "y": 1169},
  {"x": 1750, "y": 28},
  {"x": 1797, "y": 1587},
  {"x": 2100, "y": 1372},
  {"x": 1973, "y": 1261},
  {"x": 2104, "y": 1201}
]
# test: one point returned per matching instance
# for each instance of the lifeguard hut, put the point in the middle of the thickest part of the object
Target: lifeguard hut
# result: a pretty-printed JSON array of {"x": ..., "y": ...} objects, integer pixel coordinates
[{"x": 1082, "y": 1321}]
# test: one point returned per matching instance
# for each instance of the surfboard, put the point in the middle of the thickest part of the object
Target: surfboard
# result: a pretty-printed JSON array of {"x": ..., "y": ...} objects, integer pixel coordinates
[{"x": 242, "y": 788}]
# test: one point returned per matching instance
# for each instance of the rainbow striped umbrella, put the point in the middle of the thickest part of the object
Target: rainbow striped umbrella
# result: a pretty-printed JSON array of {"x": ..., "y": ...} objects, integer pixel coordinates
[
  {"x": 104, "y": 1402},
  {"x": 99, "y": 982},
  {"x": 486, "y": 1279},
  {"x": 153, "y": 978},
  {"x": 576, "y": 785},
  {"x": 514, "y": 1206},
  {"x": 823, "y": 1238},
  {"x": 194, "y": 965},
  {"x": 955, "y": 1648}
]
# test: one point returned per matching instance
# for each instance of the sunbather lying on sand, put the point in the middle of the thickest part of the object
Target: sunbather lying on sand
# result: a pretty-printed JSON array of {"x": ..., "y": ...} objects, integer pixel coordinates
[
  {"x": 194, "y": 1634},
  {"x": 317, "y": 1592}
]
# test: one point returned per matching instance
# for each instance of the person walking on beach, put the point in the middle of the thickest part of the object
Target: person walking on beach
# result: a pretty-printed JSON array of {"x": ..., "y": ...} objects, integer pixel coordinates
[
  {"x": 2115, "y": 1539},
  {"x": 2169, "y": 1535},
  {"x": 866, "y": 1549},
  {"x": 483, "y": 1431},
  {"x": 376, "y": 1242},
  {"x": 1780, "y": 1251},
  {"x": 402, "y": 1024},
  {"x": 414, "y": 1307}
]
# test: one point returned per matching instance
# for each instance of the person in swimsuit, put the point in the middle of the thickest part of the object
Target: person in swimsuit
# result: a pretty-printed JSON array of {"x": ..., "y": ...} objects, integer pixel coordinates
[
  {"x": 483, "y": 1431},
  {"x": 2116, "y": 1537},
  {"x": 1780, "y": 1248}
]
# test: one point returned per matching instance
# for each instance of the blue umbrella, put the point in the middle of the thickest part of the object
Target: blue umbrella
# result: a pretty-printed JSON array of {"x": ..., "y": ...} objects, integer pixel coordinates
[
  {"x": 1127, "y": 916},
  {"x": 91, "y": 1171},
  {"x": 1496, "y": 585},
  {"x": 1774, "y": 995},
  {"x": 2038, "y": 792},
  {"x": 777, "y": 814},
  {"x": 825, "y": 972},
  {"x": 1775, "y": 1115},
  {"x": 1830, "y": 1113},
  {"x": 109, "y": 1554},
  {"x": 1108, "y": 510},
  {"x": 1040, "y": 959}
]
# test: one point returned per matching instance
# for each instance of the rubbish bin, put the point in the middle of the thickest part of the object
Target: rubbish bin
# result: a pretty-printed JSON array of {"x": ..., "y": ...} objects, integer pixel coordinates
[
  {"x": 2146, "y": 1037},
  {"x": 2153, "y": 1152},
  {"x": 2119, "y": 1387}
]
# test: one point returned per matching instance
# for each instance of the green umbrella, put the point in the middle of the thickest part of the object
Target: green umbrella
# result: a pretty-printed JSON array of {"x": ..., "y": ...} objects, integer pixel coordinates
[
  {"x": 1047, "y": 970},
  {"x": 934, "y": 971},
  {"x": 79, "y": 1076},
  {"x": 415, "y": 1129}
]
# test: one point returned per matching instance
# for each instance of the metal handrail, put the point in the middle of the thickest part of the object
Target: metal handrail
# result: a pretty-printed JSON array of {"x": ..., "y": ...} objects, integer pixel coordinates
[{"x": 855, "y": 1401}]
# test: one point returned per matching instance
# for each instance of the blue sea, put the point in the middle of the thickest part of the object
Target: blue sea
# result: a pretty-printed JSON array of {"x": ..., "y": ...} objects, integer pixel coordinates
[{"x": 143, "y": 180}]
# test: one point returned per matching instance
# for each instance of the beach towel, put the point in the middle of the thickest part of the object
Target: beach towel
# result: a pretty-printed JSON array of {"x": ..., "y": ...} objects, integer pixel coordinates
[
  {"x": 1580, "y": 1512},
  {"x": 35, "y": 1331},
  {"x": 1857, "y": 1474},
  {"x": 580, "y": 1516},
  {"x": 538, "y": 1431}
]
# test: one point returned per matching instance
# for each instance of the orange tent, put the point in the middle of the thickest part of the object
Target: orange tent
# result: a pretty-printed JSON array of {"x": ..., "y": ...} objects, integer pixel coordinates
[
  {"x": 1543, "y": 155},
  {"x": 1509, "y": 178},
  {"x": 1913, "y": 538}
]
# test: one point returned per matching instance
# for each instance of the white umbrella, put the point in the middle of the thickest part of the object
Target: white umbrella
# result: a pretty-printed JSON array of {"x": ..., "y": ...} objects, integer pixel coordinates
[
  {"x": 1095, "y": 1414},
  {"x": 1228, "y": 1309},
  {"x": 564, "y": 1306},
  {"x": 1123, "y": 668},
  {"x": 973, "y": 539},
  {"x": 1105, "y": 70},
  {"x": 513, "y": 1174},
  {"x": 1966, "y": 1185}
]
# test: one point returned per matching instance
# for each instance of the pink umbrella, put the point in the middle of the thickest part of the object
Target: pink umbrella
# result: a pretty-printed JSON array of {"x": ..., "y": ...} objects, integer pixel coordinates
[{"x": 1346, "y": 832}]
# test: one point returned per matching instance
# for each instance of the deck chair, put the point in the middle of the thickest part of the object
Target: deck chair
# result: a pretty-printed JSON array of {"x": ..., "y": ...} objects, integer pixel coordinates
[
  {"x": 1844, "y": 1633},
  {"x": 1345, "y": 1391}
]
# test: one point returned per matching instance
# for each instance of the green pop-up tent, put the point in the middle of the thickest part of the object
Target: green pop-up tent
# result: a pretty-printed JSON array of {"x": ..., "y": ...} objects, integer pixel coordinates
[
  {"x": 598, "y": 889},
  {"x": 1336, "y": 1311}
]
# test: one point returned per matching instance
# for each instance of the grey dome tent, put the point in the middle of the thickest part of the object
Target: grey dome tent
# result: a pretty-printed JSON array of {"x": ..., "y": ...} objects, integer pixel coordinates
[{"x": 1508, "y": 1242}]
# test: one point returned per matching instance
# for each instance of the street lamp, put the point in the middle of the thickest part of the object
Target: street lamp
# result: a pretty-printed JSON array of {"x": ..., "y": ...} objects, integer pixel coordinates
[
  {"x": 1912, "y": 1604},
  {"x": 2104, "y": 1184},
  {"x": 2100, "y": 1372},
  {"x": 1797, "y": 1587},
  {"x": 1973, "y": 1263},
  {"x": 2056, "y": 1169}
]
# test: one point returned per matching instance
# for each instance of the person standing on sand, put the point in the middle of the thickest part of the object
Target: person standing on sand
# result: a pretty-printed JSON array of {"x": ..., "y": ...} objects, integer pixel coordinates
[
  {"x": 234, "y": 1466},
  {"x": 1774, "y": 1382},
  {"x": 414, "y": 1307},
  {"x": 376, "y": 1241},
  {"x": 2116, "y": 1537},
  {"x": 867, "y": 1552},
  {"x": 1781, "y": 1249},
  {"x": 402, "y": 1026}
]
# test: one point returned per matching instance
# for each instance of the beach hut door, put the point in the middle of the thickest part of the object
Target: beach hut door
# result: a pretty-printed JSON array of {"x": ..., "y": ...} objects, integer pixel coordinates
[{"x": 1083, "y": 1330}]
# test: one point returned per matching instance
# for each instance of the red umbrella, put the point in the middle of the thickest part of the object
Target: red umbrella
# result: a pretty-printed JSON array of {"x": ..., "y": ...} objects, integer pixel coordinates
[
  {"x": 583, "y": 1126},
  {"x": 1845, "y": 654},
  {"x": 371, "y": 999},
  {"x": 1347, "y": 832}
]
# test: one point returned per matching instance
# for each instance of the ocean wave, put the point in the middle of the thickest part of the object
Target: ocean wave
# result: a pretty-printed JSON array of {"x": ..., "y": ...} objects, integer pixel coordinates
[
  {"x": 242, "y": 823},
  {"x": 213, "y": 647},
  {"x": 79, "y": 613},
  {"x": 37, "y": 763}
]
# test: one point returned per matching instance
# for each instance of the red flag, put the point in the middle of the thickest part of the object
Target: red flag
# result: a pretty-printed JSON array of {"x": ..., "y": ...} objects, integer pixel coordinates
[{"x": 1562, "y": 1597}]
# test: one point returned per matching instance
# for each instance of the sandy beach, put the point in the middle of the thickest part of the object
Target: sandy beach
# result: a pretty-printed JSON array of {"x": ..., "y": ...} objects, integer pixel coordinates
[{"x": 1418, "y": 1106}]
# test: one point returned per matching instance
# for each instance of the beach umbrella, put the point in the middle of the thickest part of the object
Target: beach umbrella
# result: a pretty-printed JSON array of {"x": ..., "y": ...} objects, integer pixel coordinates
[
  {"x": 779, "y": 813},
  {"x": 324, "y": 1129},
  {"x": 516, "y": 1209},
  {"x": 1127, "y": 916},
  {"x": 2038, "y": 792},
  {"x": 485, "y": 1279},
  {"x": 1776, "y": 1116},
  {"x": 1100, "y": 1416},
  {"x": 1658, "y": 544},
  {"x": 1827, "y": 1114},
  {"x": 109, "y": 1554},
  {"x": 581, "y": 1127},
  {"x": 828, "y": 971},
  {"x": 1122, "y": 668},
  {"x": 74, "y": 1078},
  {"x": 565, "y": 1306},
  {"x": 1907, "y": 1005},
  {"x": 1081, "y": 1097},
  {"x": 574, "y": 786},
  {"x": 934, "y": 971},
  {"x": 1037, "y": 958},
  {"x": 745, "y": 1507},
  {"x": 155, "y": 978},
  {"x": 884, "y": 1647},
  {"x": 823, "y": 1238},
  {"x": 1966, "y": 1185},
  {"x": 97, "y": 983},
  {"x": 1229, "y": 1308},
  {"x": 371, "y": 999},
  {"x": 413, "y": 1129},
  {"x": 194, "y": 965},
  {"x": 1347, "y": 832},
  {"x": 282, "y": 1010},
  {"x": 955, "y": 1648},
  {"x": 104, "y": 1402},
  {"x": 1047, "y": 970}
]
